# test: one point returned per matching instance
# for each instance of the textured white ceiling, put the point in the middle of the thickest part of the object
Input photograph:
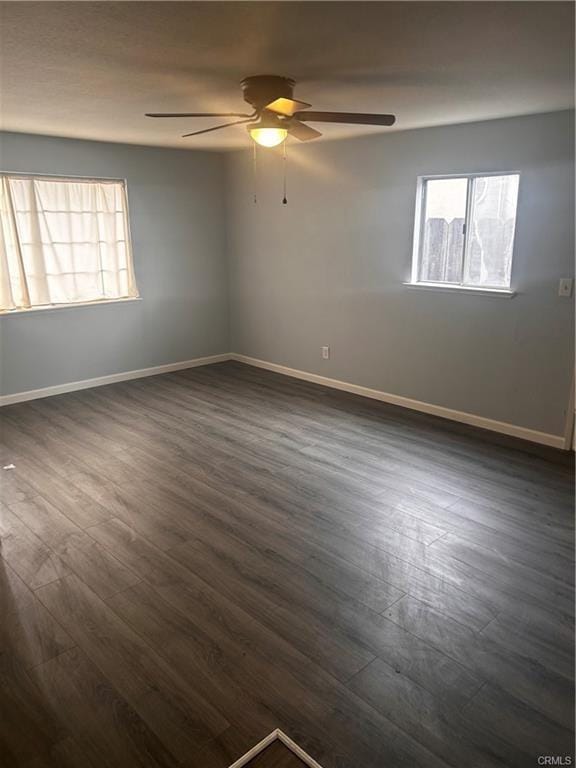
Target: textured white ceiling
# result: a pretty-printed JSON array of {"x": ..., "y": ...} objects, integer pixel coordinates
[{"x": 91, "y": 69}]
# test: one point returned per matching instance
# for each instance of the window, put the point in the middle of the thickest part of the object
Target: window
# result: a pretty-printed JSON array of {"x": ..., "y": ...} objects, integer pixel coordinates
[
  {"x": 464, "y": 231},
  {"x": 63, "y": 241}
]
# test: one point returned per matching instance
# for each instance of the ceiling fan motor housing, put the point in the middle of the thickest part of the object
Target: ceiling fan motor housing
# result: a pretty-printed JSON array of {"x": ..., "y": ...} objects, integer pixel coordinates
[{"x": 260, "y": 90}]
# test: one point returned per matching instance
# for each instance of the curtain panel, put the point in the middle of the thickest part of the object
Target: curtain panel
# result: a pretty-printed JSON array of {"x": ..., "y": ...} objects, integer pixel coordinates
[{"x": 63, "y": 241}]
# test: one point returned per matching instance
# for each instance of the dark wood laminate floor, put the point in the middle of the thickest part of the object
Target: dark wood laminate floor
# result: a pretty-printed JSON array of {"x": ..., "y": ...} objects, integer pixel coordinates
[{"x": 192, "y": 560}]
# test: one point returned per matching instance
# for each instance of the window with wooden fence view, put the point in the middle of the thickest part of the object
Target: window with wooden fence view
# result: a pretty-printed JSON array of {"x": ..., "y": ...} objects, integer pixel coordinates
[{"x": 464, "y": 233}]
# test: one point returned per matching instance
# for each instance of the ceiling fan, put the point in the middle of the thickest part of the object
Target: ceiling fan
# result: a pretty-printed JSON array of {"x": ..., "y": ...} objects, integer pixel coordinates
[{"x": 277, "y": 114}]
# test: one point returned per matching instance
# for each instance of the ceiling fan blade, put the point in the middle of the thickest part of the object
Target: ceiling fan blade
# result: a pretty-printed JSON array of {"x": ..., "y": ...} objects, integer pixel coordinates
[
  {"x": 196, "y": 114},
  {"x": 301, "y": 131},
  {"x": 286, "y": 107},
  {"x": 218, "y": 127},
  {"x": 356, "y": 118}
]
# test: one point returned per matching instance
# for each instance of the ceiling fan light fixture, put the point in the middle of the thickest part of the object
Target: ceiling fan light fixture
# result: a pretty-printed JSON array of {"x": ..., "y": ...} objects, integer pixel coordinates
[
  {"x": 268, "y": 137},
  {"x": 276, "y": 113}
]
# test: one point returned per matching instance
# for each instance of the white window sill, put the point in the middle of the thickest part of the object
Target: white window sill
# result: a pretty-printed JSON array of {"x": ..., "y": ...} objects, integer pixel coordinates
[
  {"x": 53, "y": 307},
  {"x": 501, "y": 293}
]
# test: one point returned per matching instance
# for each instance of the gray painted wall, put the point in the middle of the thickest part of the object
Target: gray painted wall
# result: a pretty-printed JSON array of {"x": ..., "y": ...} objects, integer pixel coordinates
[
  {"x": 176, "y": 201},
  {"x": 328, "y": 269},
  {"x": 325, "y": 269}
]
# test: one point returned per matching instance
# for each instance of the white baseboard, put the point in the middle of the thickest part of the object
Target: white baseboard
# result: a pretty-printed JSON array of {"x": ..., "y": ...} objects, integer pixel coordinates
[
  {"x": 73, "y": 386},
  {"x": 265, "y": 743},
  {"x": 513, "y": 430}
]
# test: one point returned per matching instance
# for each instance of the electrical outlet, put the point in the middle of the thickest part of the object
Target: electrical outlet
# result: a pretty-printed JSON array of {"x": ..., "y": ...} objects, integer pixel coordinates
[
  {"x": 325, "y": 353},
  {"x": 565, "y": 286}
]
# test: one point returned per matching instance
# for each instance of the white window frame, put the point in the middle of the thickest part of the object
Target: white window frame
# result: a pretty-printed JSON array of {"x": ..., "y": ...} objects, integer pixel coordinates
[
  {"x": 418, "y": 236},
  {"x": 77, "y": 304}
]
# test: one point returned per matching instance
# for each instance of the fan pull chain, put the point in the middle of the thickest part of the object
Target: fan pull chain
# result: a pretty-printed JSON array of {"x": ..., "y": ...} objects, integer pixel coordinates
[
  {"x": 255, "y": 172},
  {"x": 284, "y": 168}
]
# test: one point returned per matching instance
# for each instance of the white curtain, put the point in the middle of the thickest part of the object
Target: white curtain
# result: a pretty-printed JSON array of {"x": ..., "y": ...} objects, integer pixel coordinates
[{"x": 63, "y": 241}]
